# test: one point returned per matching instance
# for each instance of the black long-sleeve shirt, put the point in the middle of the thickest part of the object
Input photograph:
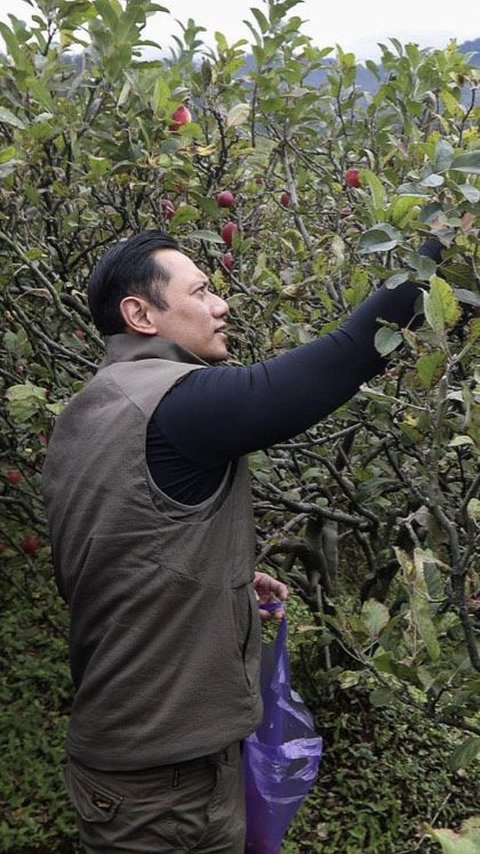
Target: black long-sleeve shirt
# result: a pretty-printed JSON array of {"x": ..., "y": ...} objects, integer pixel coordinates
[{"x": 218, "y": 414}]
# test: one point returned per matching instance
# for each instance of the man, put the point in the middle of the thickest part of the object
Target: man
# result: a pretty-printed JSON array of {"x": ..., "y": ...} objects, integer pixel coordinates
[{"x": 147, "y": 493}]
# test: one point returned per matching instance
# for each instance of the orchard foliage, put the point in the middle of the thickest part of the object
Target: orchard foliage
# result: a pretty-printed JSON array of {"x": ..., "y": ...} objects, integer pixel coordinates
[{"x": 373, "y": 516}]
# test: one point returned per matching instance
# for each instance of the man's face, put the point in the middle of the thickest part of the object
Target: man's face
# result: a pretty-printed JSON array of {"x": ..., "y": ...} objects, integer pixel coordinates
[{"x": 196, "y": 317}]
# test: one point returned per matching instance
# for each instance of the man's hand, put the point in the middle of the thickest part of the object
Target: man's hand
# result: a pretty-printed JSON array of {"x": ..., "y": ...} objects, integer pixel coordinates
[{"x": 270, "y": 591}]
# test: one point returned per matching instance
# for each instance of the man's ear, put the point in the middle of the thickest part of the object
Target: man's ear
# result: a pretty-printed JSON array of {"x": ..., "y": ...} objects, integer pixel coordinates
[{"x": 137, "y": 316}]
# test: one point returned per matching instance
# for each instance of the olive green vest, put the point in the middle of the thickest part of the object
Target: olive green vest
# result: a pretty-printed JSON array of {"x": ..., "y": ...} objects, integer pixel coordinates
[{"x": 165, "y": 635}]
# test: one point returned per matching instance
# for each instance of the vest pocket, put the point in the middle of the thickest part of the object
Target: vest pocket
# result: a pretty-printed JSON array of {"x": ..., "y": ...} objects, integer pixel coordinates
[{"x": 248, "y": 629}]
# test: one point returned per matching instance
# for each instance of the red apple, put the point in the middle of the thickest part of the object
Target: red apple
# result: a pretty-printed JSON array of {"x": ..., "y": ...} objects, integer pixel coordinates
[
  {"x": 168, "y": 208},
  {"x": 228, "y": 260},
  {"x": 285, "y": 199},
  {"x": 13, "y": 477},
  {"x": 30, "y": 545},
  {"x": 352, "y": 178},
  {"x": 225, "y": 199},
  {"x": 181, "y": 116},
  {"x": 228, "y": 231},
  {"x": 80, "y": 334}
]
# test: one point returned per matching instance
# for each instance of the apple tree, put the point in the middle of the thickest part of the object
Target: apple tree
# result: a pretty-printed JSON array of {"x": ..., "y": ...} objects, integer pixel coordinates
[{"x": 299, "y": 192}]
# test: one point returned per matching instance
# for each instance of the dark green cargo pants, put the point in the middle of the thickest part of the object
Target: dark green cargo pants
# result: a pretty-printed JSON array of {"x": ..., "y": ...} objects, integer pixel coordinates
[{"x": 195, "y": 806}]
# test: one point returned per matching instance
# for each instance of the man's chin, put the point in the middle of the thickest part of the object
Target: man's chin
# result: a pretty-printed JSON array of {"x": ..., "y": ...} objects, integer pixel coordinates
[{"x": 219, "y": 356}]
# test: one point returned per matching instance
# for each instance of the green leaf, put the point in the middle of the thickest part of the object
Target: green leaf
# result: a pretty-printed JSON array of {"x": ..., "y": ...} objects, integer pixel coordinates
[
  {"x": 98, "y": 165},
  {"x": 238, "y": 115},
  {"x": 474, "y": 331},
  {"x": 467, "y": 297},
  {"x": 442, "y": 309},
  {"x": 207, "y": 236},
  {"x": 349, "y": 678},
  {"x": 7, "y": 168},
  {"x": 221, "y": 41},
  {"x": 379, "y": 197},
  {"x": 9, "y": 118},
  {"x": 430, "y": 367},
  {"x": 424, "y": 266},
  {"x": 401, "y": 207},
  {"x": 430, "y": 212},
  {"x": 56, "y": 408},
  {"x": 433, "y": 579},
  {"x": 40, "y": 93},
  {"x": 432, "y": 180},
  {"x": 386, "y": 662},
  {"x": 382, "y": 238},
  {"x": 469, "y": 192},
  {"x": 207, "y": 205},
  {"x": 469, "y": 163},
  {"x": 381, "y": 698},
  {"x": 420, "y": 610},
  {"x": 160, "y": 96},
  {"x": 124, "y": 94},
  {"x": 420, "y": 607},
  {"x": 8, "y": 154},
  {"x": 185, "y": 213},
  {"x": 375, "y": 616},
  {"x": 397, "y": 279},
  {"x": 473, "y": 509},
  {"x": 411, "y": 188},
  {"x": 451, "y": 103},
  {"x": 465, "y": 842},
  {"x": 460, "y": 440},
  {"x": 24, "y": 400},
  {"x": 387, "y": 340},
  {"x": 338, "y": 250},
  {"x": 11, "y": 43},
  {"x": 444, "y": 154},
  {"x": 17, "y": 342},
  {"x": 261, "y": 20},
  {"x": 110, "y": 11}
]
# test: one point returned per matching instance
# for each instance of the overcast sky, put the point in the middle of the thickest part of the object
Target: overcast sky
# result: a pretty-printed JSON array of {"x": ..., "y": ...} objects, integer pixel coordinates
[{"x": 355, "y": 25}]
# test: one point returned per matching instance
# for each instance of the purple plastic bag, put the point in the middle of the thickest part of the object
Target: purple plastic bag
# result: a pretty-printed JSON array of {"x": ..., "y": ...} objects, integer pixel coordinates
[{"x": 280, "y": 759}]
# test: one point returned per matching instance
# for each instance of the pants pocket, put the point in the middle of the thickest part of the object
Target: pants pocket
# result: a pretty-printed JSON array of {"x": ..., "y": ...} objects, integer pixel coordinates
[
  {"x": 93, "y": 801},
  {"x": 225, "y": 832}
]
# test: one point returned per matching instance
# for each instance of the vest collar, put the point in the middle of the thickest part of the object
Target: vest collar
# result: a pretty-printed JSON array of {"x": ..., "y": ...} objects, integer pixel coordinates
[{"x": 132, "y": 348}]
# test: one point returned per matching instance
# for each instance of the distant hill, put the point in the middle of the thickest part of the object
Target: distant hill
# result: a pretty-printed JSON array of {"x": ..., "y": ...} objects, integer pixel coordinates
[{"x": 472, "y": 47}]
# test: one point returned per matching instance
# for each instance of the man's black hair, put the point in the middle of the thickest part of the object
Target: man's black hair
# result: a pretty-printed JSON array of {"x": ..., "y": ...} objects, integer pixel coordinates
[{"x": 128, "y": 269}]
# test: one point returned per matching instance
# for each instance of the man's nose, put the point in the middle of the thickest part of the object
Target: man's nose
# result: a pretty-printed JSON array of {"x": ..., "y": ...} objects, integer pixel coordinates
[{"x": 220, "y": 306}]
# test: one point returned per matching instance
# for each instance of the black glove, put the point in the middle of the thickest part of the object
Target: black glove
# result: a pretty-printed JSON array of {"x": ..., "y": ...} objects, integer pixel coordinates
[{"x": 432, "y": 248}]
